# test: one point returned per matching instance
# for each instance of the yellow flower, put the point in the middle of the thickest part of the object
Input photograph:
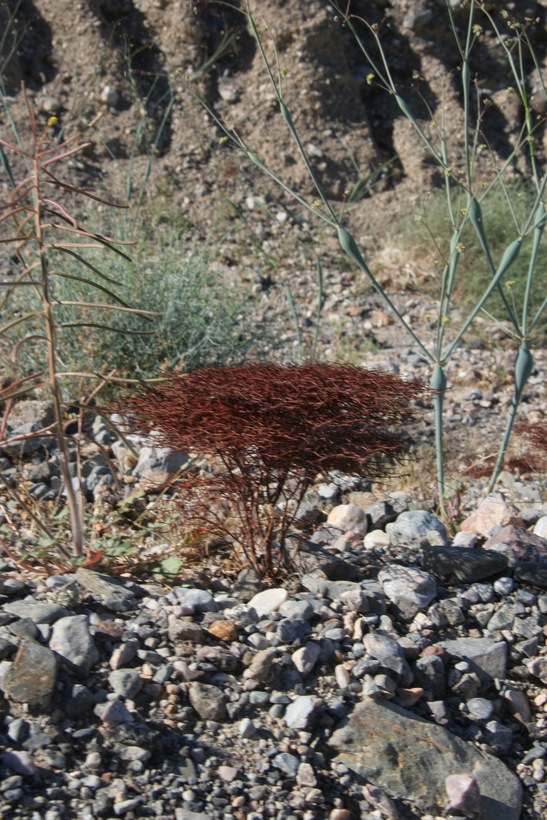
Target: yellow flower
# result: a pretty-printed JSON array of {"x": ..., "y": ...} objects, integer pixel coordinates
[
  {"x": 223, "y": 140},
  {"x": 52, "y": 121},
  {"x": 369, "y": 78}
]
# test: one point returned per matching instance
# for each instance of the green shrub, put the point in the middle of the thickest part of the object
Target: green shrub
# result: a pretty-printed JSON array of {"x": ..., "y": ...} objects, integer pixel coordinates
[{"x": 203, "y": 320}]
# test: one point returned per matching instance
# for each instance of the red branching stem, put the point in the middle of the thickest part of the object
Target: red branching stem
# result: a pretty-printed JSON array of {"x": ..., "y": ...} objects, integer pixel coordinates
[{"x": 272, "y": 429}]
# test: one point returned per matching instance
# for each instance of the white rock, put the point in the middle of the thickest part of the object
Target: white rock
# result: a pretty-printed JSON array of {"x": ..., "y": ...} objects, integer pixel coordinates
[
  {"x": 376, "y": 538},
  {"x": 306, "y": 657},
  {"x": 348, "y": 517},
  {"x": 297, "y": 713},
  {"x": 268, "y": 601},
  {"x": 540, "y": 527}
]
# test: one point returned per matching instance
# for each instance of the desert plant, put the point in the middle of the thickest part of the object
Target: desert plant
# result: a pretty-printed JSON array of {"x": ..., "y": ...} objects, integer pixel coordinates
[
  {"x": 42, "y": 232},
  {"x": 199, "y": 319},
  {"x": 463, "y": 181},
  {"x": 536, "y": 433},
  {"x": 269, "y": 430}
]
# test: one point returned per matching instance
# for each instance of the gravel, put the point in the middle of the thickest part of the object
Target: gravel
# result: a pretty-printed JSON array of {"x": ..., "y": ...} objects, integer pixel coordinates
[{"x": 129, "y": 698}]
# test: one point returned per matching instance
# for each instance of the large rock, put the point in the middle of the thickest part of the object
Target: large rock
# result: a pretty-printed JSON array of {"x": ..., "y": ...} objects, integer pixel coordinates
[
  {"x": 32, "y": 676},
  {"x": 72, "y": 640},
  {"x": 492, "y": 512},
  {"x": 486, "y": 657},
  {"x": 525, "y": 545},
  {"x": 411, "y": 758},
  {"x": 417, "y": 528},
  {"x": 410, "y": 590},
  {"x": 459, "y": 565}
]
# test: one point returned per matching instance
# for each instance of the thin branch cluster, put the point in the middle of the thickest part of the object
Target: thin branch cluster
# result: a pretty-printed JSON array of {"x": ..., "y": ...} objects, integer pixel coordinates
[{"x": 270, "y": 430}]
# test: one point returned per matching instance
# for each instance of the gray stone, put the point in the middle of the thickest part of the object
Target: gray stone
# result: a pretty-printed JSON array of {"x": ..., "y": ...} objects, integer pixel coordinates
[
  {"x": 538, "y": 668},
  {"x": 199, "y": 599},
  {"x": 525, "y": 545},
  {"x": 286, "y": 763},
  {"x": 410, "y": 590},
  {"x": 430, "y": 675},
  {"x": 156, "y": 465},
  {"x": 462, "y": 565},
  {"x": 529, "y": 572},
  {"x": 410, "y": 758},
  {"x": 72, "y": 640},
  {"x": 125, "y": 682},
  {"x": 298, "y": 713},
  {"x": 306, "y": 657},
  {"x": 379, "y": 514},
  {"x": 79, "y": 702},
  {"x": 261, "y": 664},
  {"x": 32, "y": 676},
  {"x": 308, "y": 557},
  {"x": 480, "y": 707},
  {"x": 38, "y": 611},
  {"x": 301, "y": 610},
  {"x": 108, "y": 590},
  {"x": 503, "y": 618},
  {"x": 182, "y": 630},
  {"x": 208, "y": 701},
  {"x": 486, "y": 657},
  {"x": 289, "y": 631},
  {"x": 417, "y": 528},
  {"x": 390, "y": 656}
]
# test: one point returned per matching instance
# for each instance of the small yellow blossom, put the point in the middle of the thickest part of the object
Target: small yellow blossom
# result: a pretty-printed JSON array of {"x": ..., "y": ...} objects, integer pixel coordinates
[
  {"x": 369, "y": 78},
  {"x": 223, "y": 140},
  {"x": 510, "y": 284},
  {"x": 463, "y": 211},
  {"x": 316, "y": 204},
  {"x": 52, "y": 121},
  {"x": 418, "y": 218},
  {"x": 477, "y": 29},
  {"x": 447, "y": 171},
  {"x": 445, "y": 320},
  {"x": 460, "y": 247},
  {"x": 504, "y": 14}
]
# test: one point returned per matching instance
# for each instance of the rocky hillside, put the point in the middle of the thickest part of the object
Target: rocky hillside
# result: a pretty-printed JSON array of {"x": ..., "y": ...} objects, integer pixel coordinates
[{"x": 135, "y": 62}]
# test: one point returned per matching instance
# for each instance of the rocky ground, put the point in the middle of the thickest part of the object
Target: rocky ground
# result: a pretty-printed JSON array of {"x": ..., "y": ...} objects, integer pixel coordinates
[{"x": 398, "y": 672}]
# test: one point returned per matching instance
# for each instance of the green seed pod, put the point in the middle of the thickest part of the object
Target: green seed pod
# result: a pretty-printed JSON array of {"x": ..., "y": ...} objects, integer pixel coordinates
[
  {"x": 540, "y": 217},
  {"x": 524, "y": 365},
  {"x": 287, "y": 116},
  {"x": 438, "y": 379},
  {"x": 349, "y": 245},
  {"x": 257, "y": 161},
  {"x": 510, "y": 255},
  {"x": 404, "y": 107}
]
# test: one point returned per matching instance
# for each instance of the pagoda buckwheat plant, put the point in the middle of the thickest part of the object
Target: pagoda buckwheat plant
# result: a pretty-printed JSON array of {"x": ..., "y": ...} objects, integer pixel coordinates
[
  {"x": 269, "y": 430},
  {"x": 468, "y": 181}
]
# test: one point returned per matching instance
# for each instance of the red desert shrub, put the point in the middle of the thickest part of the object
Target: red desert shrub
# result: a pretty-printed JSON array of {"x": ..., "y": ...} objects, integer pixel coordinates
[
  {"x": 270, "y": 430},
  {"x": 536, "y": 433}
]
